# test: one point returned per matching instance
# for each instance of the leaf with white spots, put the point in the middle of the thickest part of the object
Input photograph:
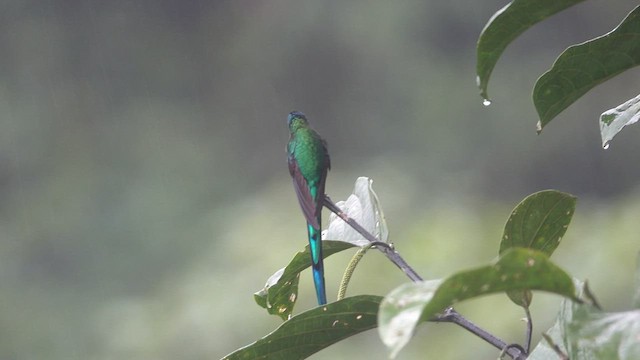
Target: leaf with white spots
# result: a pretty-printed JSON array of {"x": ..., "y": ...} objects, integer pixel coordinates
[
  {"x": 538, "y": 222},
  {"x": 613, "y": 120},
  {"x": 516, "y": 269},
  {"x": 280, "y": 293},
  {"x": 314, "y": 330}
]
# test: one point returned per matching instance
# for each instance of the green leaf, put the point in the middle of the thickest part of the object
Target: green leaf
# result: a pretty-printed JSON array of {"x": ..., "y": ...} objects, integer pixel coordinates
[
  {"x": 613, "y": 120},
  {"x": 280, "y": 293},
  {"x": 516, "y": 269},
  {"x": 539, "y": 221},
  {"x": 583, "y": 66},
  {"x": 584, "y": 332},
  {"x": 506, "y": 25},
  {"x": 314, "y": 330}
]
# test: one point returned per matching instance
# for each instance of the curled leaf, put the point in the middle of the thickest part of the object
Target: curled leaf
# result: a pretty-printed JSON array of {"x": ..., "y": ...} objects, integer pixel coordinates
[
  {"x": 613, "y": 120},
  {"x": 364, "y": 207}
]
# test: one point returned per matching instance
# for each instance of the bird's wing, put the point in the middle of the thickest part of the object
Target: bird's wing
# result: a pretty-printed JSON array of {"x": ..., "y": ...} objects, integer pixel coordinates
[
  {"x": 307, "y": 202},
  {"x": 327, "y": 159}
]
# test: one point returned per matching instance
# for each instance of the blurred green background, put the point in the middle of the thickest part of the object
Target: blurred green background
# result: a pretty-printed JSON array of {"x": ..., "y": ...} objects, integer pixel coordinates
[{"x": 145, "y": 193}]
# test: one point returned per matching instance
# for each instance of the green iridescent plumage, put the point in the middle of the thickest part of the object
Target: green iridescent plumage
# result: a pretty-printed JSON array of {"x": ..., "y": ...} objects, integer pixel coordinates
[{"x": 308, "y": 165}]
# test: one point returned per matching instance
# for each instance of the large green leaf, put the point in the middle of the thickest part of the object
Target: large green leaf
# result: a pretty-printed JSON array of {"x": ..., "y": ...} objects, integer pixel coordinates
[
  {"x": 613, "y": 120},
  {"x": 516, "y": 269},
  {"x": 280, "y": 293},
  {"x": 506, "y": 25},
  {"x": 538, "y": 222},
  {"x": 583, "y": 66},
  {"x": 314, "y": 330}
]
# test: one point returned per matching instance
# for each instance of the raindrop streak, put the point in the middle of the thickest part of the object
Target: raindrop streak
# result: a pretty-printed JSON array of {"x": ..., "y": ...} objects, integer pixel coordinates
[{"x": 486, "y": 102}]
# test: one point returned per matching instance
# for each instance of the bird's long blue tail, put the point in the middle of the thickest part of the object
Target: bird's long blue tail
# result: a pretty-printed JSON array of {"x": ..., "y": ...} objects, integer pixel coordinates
[{"x": 315, "y": 246}]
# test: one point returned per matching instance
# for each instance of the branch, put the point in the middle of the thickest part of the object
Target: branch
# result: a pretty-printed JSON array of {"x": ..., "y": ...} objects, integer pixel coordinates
[
  {"x": 384, "y": 247},
  {"x": 449, "y": 315}
]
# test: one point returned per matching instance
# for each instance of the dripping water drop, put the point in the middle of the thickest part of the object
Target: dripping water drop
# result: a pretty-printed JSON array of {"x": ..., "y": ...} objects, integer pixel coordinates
[
  {"x": 605, "y": 145},
  {"x": 486, "y": 102}
]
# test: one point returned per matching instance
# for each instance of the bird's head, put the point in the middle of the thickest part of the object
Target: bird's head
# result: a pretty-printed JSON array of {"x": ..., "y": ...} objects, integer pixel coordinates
[{"x": 296, "y": 120}]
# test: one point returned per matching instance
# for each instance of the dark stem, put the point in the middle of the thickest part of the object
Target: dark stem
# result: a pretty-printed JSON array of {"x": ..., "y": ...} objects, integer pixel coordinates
[
  {"x": 452, "y": 316},
  {"x": 449, "y": 315},
  {"x": 384, "y": 247},
  {"x": 529, "y": 332}
]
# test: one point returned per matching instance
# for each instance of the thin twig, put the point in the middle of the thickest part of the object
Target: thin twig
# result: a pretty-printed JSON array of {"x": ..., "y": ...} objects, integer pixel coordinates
[
  {"x": 387, "y": 250},
  {"x": 452, "y": 316},
  {"x": 529, "y": 332}
]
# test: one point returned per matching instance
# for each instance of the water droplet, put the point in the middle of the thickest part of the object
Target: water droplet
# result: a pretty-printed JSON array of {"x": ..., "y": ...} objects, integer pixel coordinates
[
  {"x": 486, "y": 102},
  {"x": 605, "y": 145},
  {"x": 538, "y": 127}
]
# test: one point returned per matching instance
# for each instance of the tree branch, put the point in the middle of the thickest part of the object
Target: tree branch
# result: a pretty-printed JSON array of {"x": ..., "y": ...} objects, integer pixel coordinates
[
  {"x": 383, "y": 247},
  {"x": 449, "y": 315}
]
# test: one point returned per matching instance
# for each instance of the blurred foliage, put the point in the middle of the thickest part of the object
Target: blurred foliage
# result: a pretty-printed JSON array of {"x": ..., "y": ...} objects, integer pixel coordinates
[{"x": 143, "y": 176}]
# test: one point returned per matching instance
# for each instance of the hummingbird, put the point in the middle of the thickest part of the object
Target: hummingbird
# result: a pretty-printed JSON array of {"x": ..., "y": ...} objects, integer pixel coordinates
[{"x": 309, "y": 163}]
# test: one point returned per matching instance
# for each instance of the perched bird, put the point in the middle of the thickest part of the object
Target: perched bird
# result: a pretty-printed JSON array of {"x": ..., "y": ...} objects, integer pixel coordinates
[{"x": 308, "y": 165}]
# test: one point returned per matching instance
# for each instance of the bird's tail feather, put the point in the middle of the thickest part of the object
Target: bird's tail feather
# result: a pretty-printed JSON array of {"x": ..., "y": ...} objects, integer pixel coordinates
[{"x": 317, "y": 266}]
